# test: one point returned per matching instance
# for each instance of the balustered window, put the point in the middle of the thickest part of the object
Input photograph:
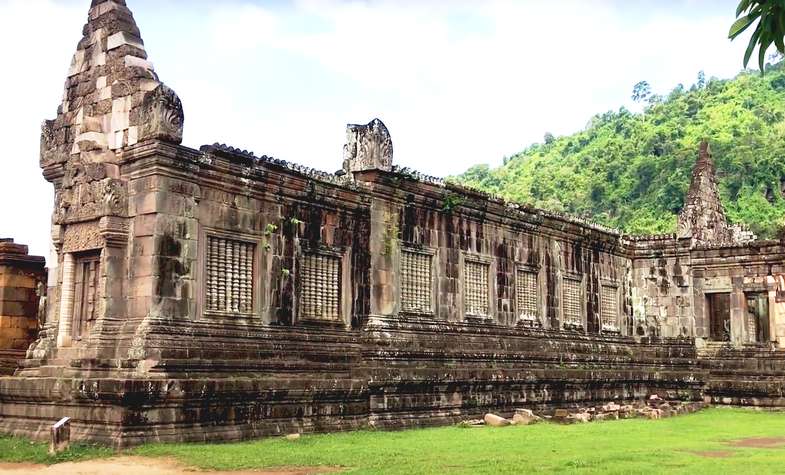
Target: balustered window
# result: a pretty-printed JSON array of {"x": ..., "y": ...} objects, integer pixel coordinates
[
  {"x": 229, "y": 271},
  {"x": 572, "y": 303},
  {"x": 609, "y": 308},
  {"x": 320, "y": 287},
  {"x": 526, "y": 294},
  {"x": 475, "y": 277},
  {"x": 416, "y": 282}
]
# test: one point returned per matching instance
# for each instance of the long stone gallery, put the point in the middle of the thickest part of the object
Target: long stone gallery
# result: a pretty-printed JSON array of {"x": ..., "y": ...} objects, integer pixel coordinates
[{"x": 215, "y": 294}]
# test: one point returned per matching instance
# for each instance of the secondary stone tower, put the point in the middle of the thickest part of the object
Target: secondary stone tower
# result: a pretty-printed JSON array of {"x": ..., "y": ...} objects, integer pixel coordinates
[{"x": 703, "y": 218}]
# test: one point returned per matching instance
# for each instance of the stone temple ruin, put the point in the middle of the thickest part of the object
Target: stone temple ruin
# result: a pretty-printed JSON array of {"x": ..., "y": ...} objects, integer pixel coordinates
[{"x": 214, "y": 294}]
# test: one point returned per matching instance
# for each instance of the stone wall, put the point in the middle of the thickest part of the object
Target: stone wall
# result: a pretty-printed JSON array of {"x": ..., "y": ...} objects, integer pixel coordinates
[
  {"x": 21, "y": 288},
  {"x": 662, "y": 287}
]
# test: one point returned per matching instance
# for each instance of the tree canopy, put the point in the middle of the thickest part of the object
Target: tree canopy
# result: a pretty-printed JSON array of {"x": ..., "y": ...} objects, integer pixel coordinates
[{"x": 631, "y": 170}]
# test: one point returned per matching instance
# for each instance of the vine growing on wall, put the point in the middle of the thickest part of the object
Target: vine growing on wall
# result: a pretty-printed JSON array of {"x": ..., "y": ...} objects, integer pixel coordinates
[
  {"x": 268, "y": 232},
  {"x": 390, "y": 234}
]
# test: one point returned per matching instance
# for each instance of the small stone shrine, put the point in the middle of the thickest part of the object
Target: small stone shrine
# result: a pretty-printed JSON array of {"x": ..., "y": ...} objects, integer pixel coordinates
[{"x": 22, "y": 288}]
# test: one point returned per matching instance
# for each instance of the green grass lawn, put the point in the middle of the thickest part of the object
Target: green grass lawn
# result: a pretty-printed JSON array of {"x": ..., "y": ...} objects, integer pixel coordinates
[{"x": 627, "y": 446}]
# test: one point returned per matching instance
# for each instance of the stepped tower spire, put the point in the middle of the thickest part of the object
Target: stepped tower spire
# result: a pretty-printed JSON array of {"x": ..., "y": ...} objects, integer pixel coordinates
[
  {"x": 112, "y": 96},
  {"x": 703, "y": 217}
]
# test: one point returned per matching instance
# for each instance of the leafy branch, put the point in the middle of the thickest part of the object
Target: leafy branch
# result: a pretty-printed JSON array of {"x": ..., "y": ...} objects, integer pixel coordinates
[{"x": 770, "y": 28}]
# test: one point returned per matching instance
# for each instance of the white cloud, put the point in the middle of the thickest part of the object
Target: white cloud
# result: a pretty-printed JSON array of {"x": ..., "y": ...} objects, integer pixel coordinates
[{"x": 457, "y": 83}]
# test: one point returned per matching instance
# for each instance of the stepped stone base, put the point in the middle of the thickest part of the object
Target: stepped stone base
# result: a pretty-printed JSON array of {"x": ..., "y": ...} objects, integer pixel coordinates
[{"x": 431, "y": 375}]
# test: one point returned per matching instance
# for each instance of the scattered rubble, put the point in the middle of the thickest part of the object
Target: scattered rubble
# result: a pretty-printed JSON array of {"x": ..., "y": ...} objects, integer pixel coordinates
[
  {"x": 524, "y": 417},
  {"x": 653, "y": 407},
  {"x": 496, "y": 421}
]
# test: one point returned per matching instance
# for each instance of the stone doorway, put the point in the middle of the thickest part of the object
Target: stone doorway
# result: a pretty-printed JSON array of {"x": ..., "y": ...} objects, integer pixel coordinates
[
  {"x": 719, "y": 316},
  {"x": 758, "y": 316}
]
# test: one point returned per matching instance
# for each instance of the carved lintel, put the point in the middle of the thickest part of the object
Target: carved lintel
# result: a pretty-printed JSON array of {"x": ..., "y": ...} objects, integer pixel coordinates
[
  {"x": 82, "y": 237},
  {"x": 162, "y": 116}
]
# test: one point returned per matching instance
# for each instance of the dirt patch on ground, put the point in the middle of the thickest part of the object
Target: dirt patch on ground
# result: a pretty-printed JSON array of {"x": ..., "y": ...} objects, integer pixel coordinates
[
  {"x": 714, "y": 454},
  {"x": 759, "y": 442},
  {"x": 144, "y": 466}
]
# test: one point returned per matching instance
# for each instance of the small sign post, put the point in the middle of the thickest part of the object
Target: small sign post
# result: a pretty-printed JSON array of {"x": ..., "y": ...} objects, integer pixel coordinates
[{"x": 61, "y": 436}]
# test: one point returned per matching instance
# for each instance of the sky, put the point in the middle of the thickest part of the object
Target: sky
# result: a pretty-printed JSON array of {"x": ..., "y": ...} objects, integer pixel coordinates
[{"x": 457, "y": 83}]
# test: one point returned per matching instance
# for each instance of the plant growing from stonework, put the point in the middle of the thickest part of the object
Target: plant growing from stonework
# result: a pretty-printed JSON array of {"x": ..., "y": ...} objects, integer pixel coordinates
[
  {"x": 451, "y": 201},
  {"x": 268, "y": 232},
  {"x": 390, "y": 235}
]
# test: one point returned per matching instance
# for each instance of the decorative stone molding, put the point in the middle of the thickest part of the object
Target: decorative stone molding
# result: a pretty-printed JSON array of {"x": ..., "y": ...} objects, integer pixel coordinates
[{"x": 114, "y": 231}]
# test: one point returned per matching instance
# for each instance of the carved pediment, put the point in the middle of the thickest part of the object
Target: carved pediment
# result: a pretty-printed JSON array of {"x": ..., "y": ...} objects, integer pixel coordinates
[
  {"x": 91, "y": 200},
  {"x": 368, "y": 147}
]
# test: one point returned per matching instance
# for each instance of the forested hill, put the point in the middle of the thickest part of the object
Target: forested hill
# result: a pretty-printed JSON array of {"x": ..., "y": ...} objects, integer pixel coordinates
[{"x": 631, "y": 171}]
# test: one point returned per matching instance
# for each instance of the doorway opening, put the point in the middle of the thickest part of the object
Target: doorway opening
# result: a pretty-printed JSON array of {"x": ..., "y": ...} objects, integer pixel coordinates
[{"x": 719, "y": 316}]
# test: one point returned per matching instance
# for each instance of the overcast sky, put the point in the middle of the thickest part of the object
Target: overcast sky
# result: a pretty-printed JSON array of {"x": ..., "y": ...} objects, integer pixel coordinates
[{"x": 457, "y": 83}]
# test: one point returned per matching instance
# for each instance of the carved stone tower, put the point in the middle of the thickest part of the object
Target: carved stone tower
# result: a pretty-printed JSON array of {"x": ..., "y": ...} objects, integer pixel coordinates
[
  {"x": 368, "y": 147},
  {"x": 703, "y": 218},
  {"x": 112, "y": 100}
]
